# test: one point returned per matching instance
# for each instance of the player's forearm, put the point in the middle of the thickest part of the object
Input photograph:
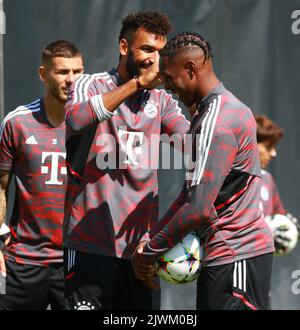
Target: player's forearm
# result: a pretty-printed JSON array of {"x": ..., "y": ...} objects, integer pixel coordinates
[
  {"x": 114, "y": 98},
  {"x": 98, "y": 108},
  {"x": 4, "y": 229},
  {"x": 193, "y": 214},
  {"x": 4, "y": 185},
  {"x": 176, "y": 205},
  {"x": 183, "y": 222},
  {"x": 3, "y": 206}
]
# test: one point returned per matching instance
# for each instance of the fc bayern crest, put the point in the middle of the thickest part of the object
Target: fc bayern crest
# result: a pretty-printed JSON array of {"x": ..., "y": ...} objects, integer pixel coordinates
[
  {"x": 84, "y": 305},
  {"x": 150, "y": 110}
]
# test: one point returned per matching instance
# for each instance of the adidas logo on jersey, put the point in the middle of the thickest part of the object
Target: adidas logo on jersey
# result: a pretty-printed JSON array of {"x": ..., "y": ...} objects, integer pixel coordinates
[{"x": 31, "y": 140}]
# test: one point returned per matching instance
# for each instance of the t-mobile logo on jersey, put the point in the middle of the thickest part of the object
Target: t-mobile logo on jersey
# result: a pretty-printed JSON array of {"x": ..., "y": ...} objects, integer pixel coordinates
[
  {"x": 131, "y": 144},
  {"x": 55, "y": 157}
]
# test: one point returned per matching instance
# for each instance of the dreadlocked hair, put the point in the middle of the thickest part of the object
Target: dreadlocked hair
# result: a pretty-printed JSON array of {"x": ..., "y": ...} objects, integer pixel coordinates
[{"x": 187, "y": 39}]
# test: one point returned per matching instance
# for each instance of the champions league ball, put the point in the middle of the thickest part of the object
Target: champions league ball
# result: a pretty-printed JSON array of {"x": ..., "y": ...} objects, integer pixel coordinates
[
  {"x": 285, "y": 233},
  {"x": 181, "y": 264}
]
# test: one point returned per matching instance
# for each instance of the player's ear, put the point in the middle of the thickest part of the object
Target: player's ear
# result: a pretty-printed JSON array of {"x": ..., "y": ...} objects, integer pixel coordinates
[
  {"x": 190, "y": 69},
  {"x": 123, "y": 47},
  {"x": 42, "y": 73}
]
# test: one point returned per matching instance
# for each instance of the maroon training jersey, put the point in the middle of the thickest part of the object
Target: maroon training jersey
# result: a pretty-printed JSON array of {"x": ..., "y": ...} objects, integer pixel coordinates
[
  {"x": 34, "y": 151},
  {"x": 221, "y": 196},
  {"x": 112, "y": 194},
  {"x": 270, "y": 200}
]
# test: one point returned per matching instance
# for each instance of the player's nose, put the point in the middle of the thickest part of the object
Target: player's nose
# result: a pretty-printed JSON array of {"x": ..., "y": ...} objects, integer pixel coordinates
[
  {"x": 156, "y": 56},
  {"x": 273, "y": 152},
  {"x": 70, "y": 78}
]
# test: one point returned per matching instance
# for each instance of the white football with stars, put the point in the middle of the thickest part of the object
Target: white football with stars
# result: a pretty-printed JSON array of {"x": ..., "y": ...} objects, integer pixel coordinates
[{"x": 181, "y": 264}]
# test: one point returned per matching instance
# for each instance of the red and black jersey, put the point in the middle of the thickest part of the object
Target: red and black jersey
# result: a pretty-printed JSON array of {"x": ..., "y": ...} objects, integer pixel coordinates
[
  {"x": 220, "y": 199},
  {"x": 270, "y": 200},
  {"x": 112, "y": 194},
  {"x": 34, "y": 151}
]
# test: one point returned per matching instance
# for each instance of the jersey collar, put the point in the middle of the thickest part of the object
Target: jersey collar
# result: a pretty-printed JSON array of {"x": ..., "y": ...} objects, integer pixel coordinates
[{"x": 206, "y": 101}]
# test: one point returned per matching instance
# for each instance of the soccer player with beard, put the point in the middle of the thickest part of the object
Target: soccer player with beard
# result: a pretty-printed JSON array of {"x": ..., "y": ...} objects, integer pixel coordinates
[
  {"x": 32, "y": 149},
  {"x": 114, "y": 121}
]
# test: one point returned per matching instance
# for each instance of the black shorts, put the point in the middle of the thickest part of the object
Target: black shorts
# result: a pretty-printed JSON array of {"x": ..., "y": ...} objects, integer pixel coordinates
[
  {"x": 100, "y": 282},
  {"x": 33, "y": 287},
  {"x": 242, "y": 285}
]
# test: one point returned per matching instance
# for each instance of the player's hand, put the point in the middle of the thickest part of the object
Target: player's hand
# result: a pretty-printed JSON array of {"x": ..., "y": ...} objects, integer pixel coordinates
[
  {"x": 151, "y": 78},
  {"x": 295, "y": 222},
  {"x": 143, "y": 271},
  {"x": 285, "y": 232},
  {"x": 281, "y": 241},
  {"x": 2, "y": 265}
]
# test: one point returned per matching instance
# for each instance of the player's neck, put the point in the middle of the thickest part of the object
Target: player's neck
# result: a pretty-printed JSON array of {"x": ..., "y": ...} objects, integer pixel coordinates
[
  {"x": 123, "y": 73},
  {"x": 205, "y": 86},
  {"x": 54, "y": 110}
]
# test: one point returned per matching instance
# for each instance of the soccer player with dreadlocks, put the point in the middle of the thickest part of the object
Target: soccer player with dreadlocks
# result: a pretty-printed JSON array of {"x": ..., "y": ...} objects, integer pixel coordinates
[{"x": 221, "y": 194}]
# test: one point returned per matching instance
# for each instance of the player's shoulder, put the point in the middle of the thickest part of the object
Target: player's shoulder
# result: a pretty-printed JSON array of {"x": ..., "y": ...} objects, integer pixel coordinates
[
  {"x": 267, "y": 178},
  {"x": 164, "y": 99},
  {"x": 266, "y": 175},
  {"x": 233, "y": 103},
  {"x": 22, "y": 113},
  {"x": 88, "y": 78},
  {"x": 236, "y": 114},
  {"x": 161, "y": 93},
  {"x": 166, "y": 104}
]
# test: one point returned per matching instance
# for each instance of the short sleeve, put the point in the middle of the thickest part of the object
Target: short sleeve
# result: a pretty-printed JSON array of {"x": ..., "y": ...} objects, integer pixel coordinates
[{"x": 7, "y": 150}]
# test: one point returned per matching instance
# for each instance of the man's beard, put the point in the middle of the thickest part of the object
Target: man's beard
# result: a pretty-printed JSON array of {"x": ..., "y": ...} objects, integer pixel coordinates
[
  {"x": 55, "y": 93},
  {"x": 131, "y": 67}
]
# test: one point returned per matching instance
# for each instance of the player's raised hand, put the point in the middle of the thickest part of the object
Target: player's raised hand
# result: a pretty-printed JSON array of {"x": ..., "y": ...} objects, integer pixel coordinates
[{"x": 151, "y": 78}]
